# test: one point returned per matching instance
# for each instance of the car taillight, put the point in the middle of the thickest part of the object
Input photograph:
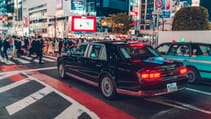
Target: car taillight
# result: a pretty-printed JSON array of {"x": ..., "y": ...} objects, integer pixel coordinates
[
  {"x": 150, "y": 75},
  {"x": 183, "y": 71}
]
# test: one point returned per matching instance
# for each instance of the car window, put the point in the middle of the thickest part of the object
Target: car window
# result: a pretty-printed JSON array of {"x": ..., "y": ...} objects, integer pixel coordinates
[
  {"x": 80, "y": 51},
  {"x": 163, "y": 49},
  {"x": 136, "y": 52},
  {"x": 180, "y": 50},
  {"x": 95, "y": 51},
  {"x": 206, "y": 49}
]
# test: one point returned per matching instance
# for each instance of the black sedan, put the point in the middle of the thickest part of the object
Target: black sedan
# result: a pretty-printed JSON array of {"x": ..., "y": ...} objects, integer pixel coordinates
[{"x": 123, "y": 68}]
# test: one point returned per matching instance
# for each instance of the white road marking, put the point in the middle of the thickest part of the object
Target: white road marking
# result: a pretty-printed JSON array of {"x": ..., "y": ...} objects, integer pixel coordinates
[
  {"x": 7, "y": 75},
  {"x": 55, "y": 58},
  {"x": 27, "y": 70},
  {"x": 26, "y": 57},
  {"x": 192, "y": 107},
  {"x": 23, "y": 103},
  {"x": 9, "y": 62},
  {"x": 30, "y": 58},
  {"x": 177, "y": 104},
  {"x": 160, "y": 101},
  {"x": 72, "y": 112},
  {"x": 49, "y": 60},
  {"x": 13, "y": 85},
  {"x": 23, "y": 61},
  {"x": 78, "y": 105},
  {"x": 198, "y": 91}
]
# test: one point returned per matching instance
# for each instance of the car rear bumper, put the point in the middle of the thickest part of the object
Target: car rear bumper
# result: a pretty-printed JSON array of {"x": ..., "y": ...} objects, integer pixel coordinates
[{"x": 148, "y": 93}]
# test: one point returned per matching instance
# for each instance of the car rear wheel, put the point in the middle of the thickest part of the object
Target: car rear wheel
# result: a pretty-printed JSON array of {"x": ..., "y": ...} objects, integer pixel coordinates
[
  {"x": 193, "y": 75},
  {"x": 61, "y": 72},
  {"x": 108, "y": 87}
]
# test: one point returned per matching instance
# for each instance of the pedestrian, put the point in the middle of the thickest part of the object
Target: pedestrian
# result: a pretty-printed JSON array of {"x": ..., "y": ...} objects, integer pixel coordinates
[
  {"x": 33, "y": 47},
  {"x": 38, "y": 44},
  {"x": 60, "y": 46},
  {"x": 5, "y": 47},
  {"x": 1, "y": 45}
]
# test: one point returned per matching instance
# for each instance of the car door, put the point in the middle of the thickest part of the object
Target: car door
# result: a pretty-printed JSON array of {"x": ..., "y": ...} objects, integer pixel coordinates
[
  {"x": 180, "y": 52},
  {"x": 95, "y": 61},
  {"x": 74, "y": 60},
  {"x": 201, "y": 59}
]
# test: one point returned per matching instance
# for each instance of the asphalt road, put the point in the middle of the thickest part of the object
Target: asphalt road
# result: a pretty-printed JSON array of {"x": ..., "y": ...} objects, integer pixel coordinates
[{"x": 194, "y": 102}]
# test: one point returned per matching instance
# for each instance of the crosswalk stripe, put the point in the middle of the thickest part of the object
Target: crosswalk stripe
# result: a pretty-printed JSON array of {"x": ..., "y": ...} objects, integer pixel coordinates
[
  {"x": 13, "y": 85},
  {"x": 8, "y": 75},
  {"x": 79, "y": 107},
  {"x": 9, "y": 62},
  {"x": 28, "y": 58},
  {"x": 21, "y": 104},
  {"x": 47, "y": 59},
  {"x": 51, "y": 57},
  {"x": 72, "y": 111},
  {"x": 23, "y": 61}
]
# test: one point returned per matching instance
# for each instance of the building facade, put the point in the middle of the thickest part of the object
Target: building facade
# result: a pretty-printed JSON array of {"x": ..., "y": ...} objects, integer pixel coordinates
[
  {"x": 36, "y": 14},
  {"x": 52, "y": 18}
]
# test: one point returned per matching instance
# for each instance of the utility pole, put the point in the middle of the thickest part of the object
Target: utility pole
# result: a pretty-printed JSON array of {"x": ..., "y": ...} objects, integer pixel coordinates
[{"x": 55, "y": 22}]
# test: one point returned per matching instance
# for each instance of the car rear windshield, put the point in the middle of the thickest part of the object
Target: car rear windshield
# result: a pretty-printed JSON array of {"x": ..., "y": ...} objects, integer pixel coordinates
[{"x": 138, "y": 52}]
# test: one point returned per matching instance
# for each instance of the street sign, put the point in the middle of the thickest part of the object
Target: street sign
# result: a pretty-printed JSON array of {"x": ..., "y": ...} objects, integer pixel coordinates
[{"x": 158, "y": 4}]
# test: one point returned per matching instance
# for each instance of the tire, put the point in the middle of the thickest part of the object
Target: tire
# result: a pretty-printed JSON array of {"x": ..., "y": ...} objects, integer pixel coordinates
[
  {"x": 61, "y": 72},
  {"x": 193, "y": 75},
  {"x": 108, "y": 87}
]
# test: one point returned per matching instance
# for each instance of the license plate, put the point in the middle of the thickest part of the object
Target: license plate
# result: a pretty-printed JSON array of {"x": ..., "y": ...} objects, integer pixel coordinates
[{"x": 171, "y": 87}]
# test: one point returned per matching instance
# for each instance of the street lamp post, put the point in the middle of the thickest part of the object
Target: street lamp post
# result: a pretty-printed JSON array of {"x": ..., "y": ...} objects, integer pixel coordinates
[
  {"x": 157, "y": 13},
  {"x": 55, "y": 22}
]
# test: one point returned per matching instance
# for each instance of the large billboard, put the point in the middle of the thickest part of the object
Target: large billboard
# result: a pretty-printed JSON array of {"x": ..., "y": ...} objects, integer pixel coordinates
[
  {"x": 78, "y": 5},
  {"x": 83, "y": 24}
]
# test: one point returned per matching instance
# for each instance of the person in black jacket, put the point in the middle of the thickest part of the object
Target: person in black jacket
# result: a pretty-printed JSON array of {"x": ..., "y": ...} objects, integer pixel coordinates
[
  {"x": 5, "y": 47},
  {"x": 38, "y": 49}
]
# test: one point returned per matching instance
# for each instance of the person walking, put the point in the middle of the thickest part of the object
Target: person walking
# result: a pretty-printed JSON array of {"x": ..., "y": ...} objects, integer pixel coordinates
[
  {"x": 1, "y": 45},
  {"x": 40, "y": 52},
  {"x": 60, "y": 46},
  {"x": 38, "y": 44},
  {"x": 5, "y": 47}
]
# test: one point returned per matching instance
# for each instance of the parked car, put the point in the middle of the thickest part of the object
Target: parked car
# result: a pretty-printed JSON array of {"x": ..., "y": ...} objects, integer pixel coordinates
[
  {"x": 123, "y": 68},
  {"x": 196, "y": 57}
]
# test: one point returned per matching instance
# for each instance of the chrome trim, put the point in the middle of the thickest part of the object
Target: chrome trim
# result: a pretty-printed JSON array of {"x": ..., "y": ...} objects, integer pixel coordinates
[
  {"x": 83, "y": 79},
  {"x": 147, "y": 93}
]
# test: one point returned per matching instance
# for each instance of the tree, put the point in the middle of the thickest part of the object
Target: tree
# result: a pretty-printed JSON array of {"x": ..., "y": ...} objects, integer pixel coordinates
[
  {"x": 191, "y": 18},
  {"x": 119, "y": 22}
]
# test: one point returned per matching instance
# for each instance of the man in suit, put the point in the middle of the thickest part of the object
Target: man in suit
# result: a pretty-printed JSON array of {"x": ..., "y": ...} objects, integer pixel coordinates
[{"x": 38, "y": 45}]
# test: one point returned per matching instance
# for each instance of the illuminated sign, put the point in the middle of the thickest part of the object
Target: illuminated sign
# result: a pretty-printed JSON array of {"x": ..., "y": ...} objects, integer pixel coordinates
[
  {"x": 25, "y": 21},
  {"x": 166, "y": 9},
  {"x": 59, "y": 4},
  {"x": 78, "y": 5},
  {"x": 83, "y": 24}
]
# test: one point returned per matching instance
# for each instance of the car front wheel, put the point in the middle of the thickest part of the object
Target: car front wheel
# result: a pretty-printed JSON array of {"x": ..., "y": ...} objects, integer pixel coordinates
[
  {"x": 61, "y": 71},
  {"x": 108, "y": 87}
]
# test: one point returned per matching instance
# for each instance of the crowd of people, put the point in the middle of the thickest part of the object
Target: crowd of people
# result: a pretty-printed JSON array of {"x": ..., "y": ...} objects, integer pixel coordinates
[{"x": 36, "y": 47}]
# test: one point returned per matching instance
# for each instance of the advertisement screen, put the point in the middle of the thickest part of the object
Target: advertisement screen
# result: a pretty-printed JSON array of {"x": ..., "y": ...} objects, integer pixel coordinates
[
  {"x": 78, "y": 5},
  {"x": 83, "y": 24}
]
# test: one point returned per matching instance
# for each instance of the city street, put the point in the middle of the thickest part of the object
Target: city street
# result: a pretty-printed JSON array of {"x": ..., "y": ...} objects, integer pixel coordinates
[{"x": 34, "y": 92}]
